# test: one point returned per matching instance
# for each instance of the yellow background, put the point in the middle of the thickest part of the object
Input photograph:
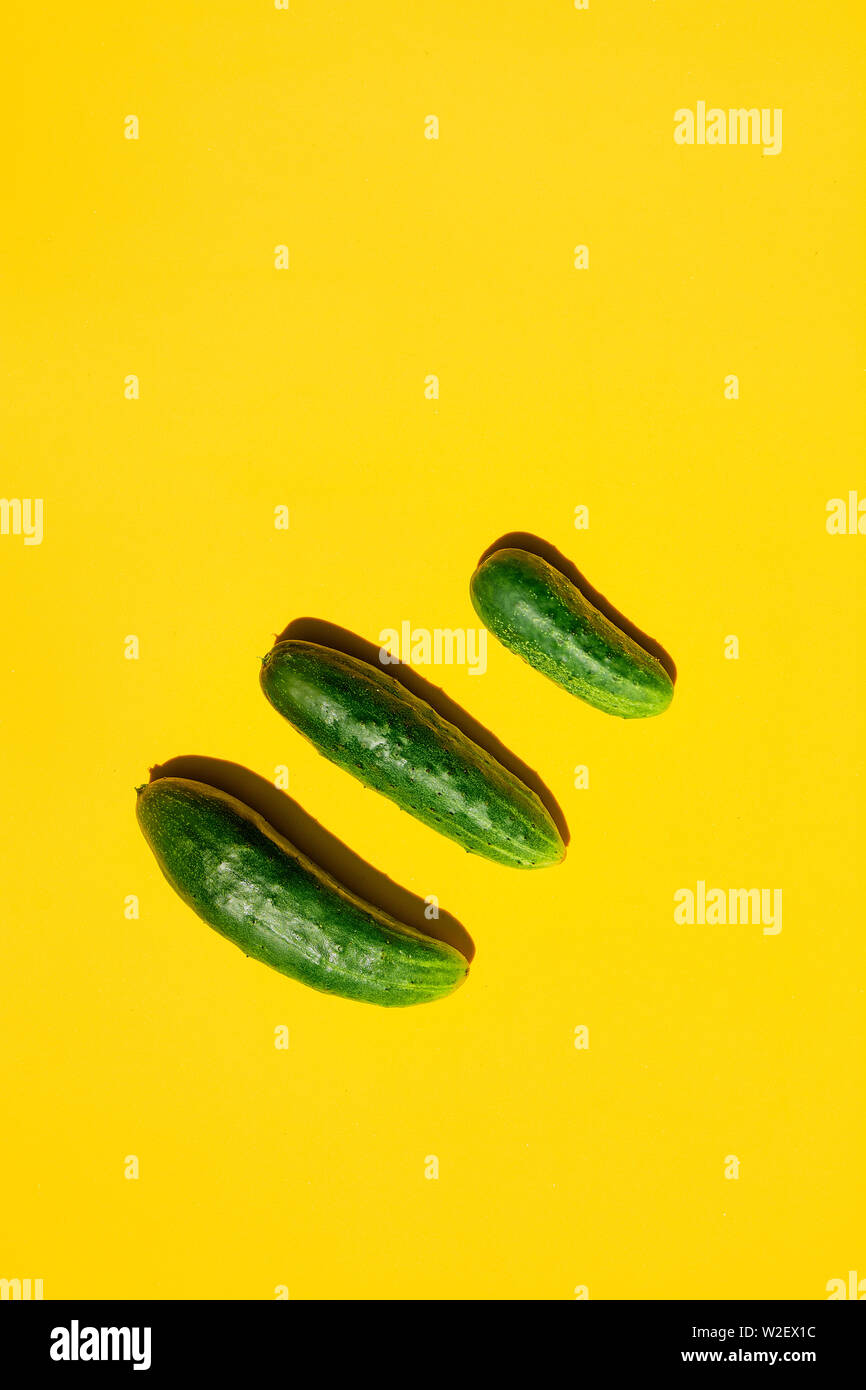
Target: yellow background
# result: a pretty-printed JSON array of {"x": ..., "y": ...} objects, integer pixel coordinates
[{"x": 604, "y": 387}]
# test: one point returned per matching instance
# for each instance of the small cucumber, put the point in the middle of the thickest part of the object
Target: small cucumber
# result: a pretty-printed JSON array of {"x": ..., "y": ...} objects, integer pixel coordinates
[
  {"x": 539, "y": 614},
  {"x": 370, "y": 725},
  {"x": 254, "y": 888}
]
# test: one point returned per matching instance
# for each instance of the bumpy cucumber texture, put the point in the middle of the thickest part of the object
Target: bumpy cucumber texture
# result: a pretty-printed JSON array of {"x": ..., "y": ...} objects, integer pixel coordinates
[
  {"x": 370, "y": 725},
  {"x": 541, "y": 616},
  {"x": 254, "y": 888}
]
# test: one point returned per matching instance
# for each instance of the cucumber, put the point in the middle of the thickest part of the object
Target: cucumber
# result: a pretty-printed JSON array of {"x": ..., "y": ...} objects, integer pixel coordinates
[
  {"x": 539, "y": 614},
  {"x": 254, "y": 888},
  {"x": 370, "y": 725}
]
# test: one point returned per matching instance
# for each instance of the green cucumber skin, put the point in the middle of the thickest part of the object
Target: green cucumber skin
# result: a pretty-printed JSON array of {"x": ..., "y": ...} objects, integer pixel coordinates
[
  {"x": 540, "y": 615},
  {"x": 254, "y": 888},
  {"x": 370, "y": 725}
]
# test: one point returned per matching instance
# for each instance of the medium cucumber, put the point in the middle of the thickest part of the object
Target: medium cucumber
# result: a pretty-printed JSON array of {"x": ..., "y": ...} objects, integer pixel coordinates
[
  {"x": 367, "y": 723},
  {"x": 254, "y": 888},
  {"x": 539, "y": 614}
]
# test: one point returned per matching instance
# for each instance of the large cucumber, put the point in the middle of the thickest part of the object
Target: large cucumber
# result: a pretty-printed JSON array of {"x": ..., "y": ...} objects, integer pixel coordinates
[
  {"x": 370, "y": 725},
  {"x": 539, "y": 614},
  {"x": 254, "y": 888}
]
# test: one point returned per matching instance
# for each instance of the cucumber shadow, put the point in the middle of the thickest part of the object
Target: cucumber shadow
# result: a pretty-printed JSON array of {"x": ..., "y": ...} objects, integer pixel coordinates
[
  {"x": 524, "y": 540},
  {"x": 324, "y": 849},
  {"x": 341, "y": 639}
]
